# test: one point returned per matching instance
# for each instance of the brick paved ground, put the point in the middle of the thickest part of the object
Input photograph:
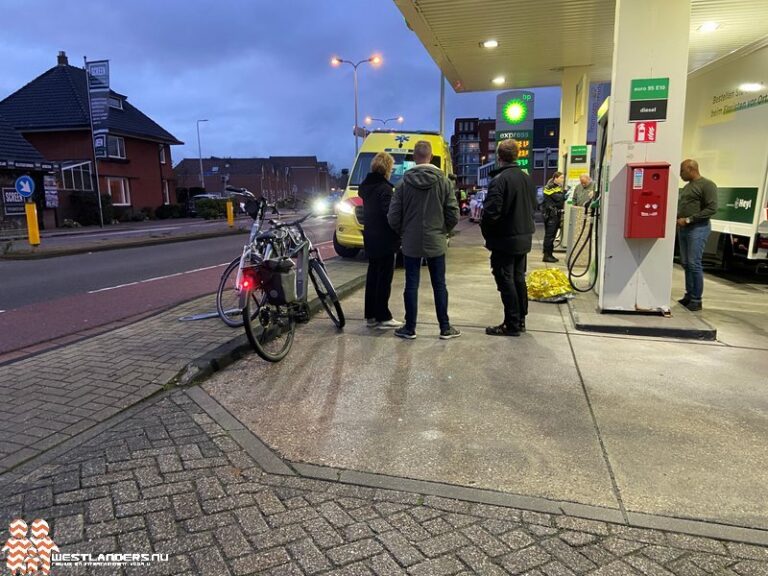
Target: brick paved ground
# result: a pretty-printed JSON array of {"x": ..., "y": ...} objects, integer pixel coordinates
[
  {"x": 169, "y": 479},
  {"x": 52, "y": 396}
]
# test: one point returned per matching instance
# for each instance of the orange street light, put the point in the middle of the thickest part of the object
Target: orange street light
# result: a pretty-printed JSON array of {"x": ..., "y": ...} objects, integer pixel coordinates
[{"x": 398, "y": 119}]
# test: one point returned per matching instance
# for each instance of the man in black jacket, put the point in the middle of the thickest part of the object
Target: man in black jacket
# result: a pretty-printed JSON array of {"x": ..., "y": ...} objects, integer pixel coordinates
[{"x": 508, "y": 227}]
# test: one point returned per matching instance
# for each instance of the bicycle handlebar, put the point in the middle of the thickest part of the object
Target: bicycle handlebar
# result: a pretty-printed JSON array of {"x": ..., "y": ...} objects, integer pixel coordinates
[
  {"x": 240, "y": 191},
  {"x": 278, "y": 224}
]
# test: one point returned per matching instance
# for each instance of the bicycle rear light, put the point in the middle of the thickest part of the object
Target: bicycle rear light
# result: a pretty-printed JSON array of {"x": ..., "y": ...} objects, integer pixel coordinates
[{"x": 249, "y": 279}]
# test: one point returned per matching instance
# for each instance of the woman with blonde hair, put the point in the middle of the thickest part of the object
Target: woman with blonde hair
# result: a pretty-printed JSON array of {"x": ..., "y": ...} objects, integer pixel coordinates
[{"x": 381, "y": 242}]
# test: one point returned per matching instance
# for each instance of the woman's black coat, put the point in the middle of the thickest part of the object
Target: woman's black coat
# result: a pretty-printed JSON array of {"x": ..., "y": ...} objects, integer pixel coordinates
[{"x": 380, "y": 240}]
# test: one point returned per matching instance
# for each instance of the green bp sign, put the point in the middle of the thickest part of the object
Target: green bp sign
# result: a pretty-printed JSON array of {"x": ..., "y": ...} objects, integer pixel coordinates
[
  {"x": 514, "y": 111},
  {"x": 514, "y": 119}
]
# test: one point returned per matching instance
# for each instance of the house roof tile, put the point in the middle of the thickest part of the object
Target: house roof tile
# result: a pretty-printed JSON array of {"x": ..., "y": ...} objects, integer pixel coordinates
[
  {"x": 58, "y": 100},
  {"x": 14, "y": 147}
]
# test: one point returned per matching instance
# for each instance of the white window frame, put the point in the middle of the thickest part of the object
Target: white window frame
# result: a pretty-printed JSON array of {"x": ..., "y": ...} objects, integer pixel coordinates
[
  {"x": 125, "y": 191},
  {"x": 539, "y": 160},
  {"x": 115, "y": 102},
  {"x": 162, "y": 154},
  {"x": 120, "y": 146},
  {"x": 78, "y": 176},
  {"x": 166, "y": 193}
]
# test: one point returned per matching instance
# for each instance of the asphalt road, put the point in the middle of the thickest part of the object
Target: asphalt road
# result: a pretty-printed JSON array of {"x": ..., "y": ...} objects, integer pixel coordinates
[
  {"x": 27, "y": 282},
  {"x": 45, "y": 300}
]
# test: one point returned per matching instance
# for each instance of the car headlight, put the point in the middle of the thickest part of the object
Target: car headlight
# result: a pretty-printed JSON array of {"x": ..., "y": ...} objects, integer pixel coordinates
[
  {"x": 346, "y": 207},
  {"x": 319, "y": 206}
]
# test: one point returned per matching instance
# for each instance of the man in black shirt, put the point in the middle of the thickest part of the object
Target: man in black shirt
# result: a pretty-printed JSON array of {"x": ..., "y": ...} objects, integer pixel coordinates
[{"x": 696, "y": 204}]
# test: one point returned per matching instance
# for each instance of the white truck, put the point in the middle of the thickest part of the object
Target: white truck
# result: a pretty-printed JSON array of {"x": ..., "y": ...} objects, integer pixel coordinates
[{"x": 726, "y": 131}]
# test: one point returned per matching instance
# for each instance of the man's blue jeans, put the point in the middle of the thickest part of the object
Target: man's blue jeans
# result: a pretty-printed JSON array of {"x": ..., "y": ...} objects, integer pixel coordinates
[
  {"x": 411, "y": 295},
  {"x": 692, "y": 239}
]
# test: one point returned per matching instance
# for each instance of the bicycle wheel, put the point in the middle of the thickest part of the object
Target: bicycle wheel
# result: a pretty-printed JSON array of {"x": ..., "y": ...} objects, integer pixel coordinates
[
  {"x": 228, "y": 298},
  {"x": 270, "y": 330},
  {"x": 326, "y": 292}
]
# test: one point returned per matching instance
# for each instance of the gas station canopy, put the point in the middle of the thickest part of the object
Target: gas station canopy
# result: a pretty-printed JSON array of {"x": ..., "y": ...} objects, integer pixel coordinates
[{"x": 537, "y": 39}]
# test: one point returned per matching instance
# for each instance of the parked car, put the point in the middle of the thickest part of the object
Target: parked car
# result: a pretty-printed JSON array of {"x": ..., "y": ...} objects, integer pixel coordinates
[{"x": 476, "y": 205}]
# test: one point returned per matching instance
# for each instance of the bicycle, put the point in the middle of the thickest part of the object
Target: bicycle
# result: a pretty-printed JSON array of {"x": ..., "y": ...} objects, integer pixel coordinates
[
  {"x": 228, "y": 292},
  {"x": 273, "y": 288}
]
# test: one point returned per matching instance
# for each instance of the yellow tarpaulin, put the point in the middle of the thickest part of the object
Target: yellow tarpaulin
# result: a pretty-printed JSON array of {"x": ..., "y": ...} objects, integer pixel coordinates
[{"x": 549, "y": 284}]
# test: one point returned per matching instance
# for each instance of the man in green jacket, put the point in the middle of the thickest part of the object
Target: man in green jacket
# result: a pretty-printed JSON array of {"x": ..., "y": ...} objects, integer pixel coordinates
[
  {"x": 696, "y": 204},
  {"x": 423, "y": 211}
]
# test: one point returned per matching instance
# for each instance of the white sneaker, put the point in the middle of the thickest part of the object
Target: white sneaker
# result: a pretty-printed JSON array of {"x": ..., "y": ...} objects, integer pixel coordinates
[
  {"x": 389, "y": 324},
  {"x": 371, "y": 322}
]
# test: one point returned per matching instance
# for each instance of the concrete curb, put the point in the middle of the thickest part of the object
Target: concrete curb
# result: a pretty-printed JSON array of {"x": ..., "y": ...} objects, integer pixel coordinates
[
  {"x": 222, "y": 356},
  {"x": 705, "y": 333},
  {"x": 32, "y": 255}
]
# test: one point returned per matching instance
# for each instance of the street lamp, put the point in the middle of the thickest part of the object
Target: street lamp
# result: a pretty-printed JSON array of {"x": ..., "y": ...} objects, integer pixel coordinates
[
  {"x": 374, "y": 60},
  {"x": 200, "y": 154},
  {"x": 398, "y": 119}
]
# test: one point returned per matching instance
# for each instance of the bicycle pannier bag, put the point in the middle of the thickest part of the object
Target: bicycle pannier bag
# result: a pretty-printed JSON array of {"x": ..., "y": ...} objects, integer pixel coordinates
[{"x": 279, "y": 280}]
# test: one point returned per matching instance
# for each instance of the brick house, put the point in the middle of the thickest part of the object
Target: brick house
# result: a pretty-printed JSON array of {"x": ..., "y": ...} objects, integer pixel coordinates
[
  {"x": 18, "y": 158},
  {"x": 52, "y": 114},
  {"x": 276, "y": 177}
]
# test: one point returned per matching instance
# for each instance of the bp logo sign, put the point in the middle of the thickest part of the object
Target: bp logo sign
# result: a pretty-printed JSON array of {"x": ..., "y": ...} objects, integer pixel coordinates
[{"x": 515, "y": 111}]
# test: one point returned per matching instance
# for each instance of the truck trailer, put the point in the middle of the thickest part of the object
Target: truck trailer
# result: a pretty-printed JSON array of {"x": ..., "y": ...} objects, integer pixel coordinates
[{"x": 726, "y": 132}]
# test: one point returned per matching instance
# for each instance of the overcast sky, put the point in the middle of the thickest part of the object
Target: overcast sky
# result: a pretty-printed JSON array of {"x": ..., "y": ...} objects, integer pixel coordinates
[{"x": 258, "y": 70}]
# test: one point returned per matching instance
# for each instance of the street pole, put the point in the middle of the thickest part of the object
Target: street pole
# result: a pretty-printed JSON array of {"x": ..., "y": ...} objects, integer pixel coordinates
[
  {"x": 442, "y": 104},
  {"x": 356, "y": 143},
  {"x": 200, "y": 155}
]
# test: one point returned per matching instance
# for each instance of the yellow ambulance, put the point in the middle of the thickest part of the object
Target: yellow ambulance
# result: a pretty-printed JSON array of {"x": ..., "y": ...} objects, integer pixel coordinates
[{"x": 348, "y": 237}]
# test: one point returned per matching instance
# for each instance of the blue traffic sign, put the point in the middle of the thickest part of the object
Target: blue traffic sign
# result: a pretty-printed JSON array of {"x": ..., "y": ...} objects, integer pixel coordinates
[{"x": 25, "y": 186}]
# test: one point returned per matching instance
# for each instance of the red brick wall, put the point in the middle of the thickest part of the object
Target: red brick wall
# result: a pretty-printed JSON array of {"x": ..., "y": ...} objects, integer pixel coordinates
[{"x": 141, "y": 167}]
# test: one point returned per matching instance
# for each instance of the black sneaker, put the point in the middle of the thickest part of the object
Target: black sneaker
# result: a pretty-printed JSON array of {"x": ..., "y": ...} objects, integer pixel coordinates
[
  {"x": 406, "y": 333},
  {"x": 449, "y": 333},
  {"x": 550, "y": 258},
  {"x": 521, "y": 326},
  {"x": 501, "y": 330},
  {"x": 694, "y": 306},
  {"x": 685, "y": 300}
]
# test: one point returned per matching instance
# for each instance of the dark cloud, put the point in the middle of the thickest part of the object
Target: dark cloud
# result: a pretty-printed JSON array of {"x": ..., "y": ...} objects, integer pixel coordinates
[{"x": 257, "y": 70}]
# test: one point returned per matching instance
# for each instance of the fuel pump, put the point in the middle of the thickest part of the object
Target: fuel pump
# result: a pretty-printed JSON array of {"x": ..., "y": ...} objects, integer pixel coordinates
[{"x": 591, "y": 223}]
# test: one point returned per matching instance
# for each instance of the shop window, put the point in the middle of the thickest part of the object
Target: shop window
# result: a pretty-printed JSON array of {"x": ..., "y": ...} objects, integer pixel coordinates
[
  {"x": 552, "y": 162},
  {"x": 77, "y": 177},
  {"x": 538, "y": 160}
]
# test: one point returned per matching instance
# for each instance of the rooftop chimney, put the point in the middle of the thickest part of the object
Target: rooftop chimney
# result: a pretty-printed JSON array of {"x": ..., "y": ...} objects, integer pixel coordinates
[{"x": 61, "y": 59}]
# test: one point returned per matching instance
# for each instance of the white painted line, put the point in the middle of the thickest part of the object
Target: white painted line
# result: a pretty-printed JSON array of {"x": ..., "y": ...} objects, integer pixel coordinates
[
  {"x": 161, "y": 277},
  {"x": 206, "y": 268},
  {"x": 156, "y": 278},
  {"x": 112, "y": 287}
]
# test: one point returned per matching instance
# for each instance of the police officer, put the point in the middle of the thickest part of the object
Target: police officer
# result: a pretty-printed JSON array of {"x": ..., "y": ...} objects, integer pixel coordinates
[{"x": 552, "y": 209}]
